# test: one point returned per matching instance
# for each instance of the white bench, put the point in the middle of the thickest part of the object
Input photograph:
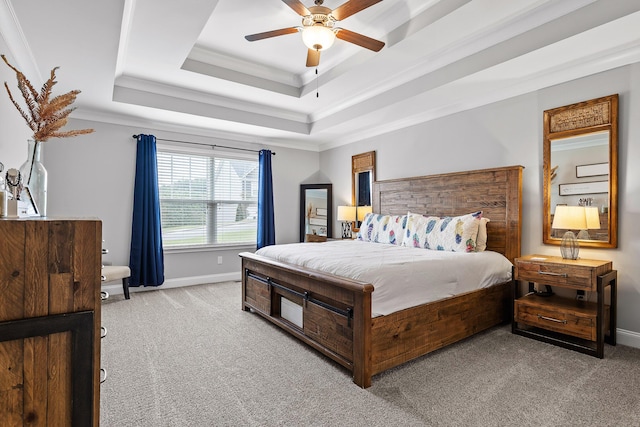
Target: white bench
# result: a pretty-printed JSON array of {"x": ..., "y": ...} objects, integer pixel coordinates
[{"x": 117, "y": 272}]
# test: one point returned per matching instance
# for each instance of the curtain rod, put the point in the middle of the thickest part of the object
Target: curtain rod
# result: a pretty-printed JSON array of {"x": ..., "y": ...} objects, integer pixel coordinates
[{"x": 207, "y": 145}]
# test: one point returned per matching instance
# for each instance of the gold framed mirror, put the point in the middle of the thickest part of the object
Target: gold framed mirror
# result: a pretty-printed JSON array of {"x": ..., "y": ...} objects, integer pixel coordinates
[{"x": 580, "y": 155}]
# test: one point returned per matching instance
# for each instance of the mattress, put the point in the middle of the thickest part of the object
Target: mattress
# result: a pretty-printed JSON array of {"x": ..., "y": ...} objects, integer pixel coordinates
[{"x": 403, "y": 277}]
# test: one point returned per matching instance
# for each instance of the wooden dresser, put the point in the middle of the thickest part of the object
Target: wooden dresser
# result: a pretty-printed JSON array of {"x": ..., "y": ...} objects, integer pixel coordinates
[{"x": 50, "y": 322}]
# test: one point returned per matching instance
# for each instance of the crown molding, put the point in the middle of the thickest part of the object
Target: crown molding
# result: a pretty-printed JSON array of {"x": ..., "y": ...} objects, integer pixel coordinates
[
  {"x": 14, "y": 37},
  {"x": 235, "y": 76},
  {"x": 137, "y": 121},
  {"x": 257, "y": 70},
  {"x": 145, "y": 86}
]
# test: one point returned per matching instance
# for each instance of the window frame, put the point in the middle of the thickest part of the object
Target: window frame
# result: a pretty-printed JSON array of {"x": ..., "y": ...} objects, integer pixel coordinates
[{"x": 208, "y": 152}]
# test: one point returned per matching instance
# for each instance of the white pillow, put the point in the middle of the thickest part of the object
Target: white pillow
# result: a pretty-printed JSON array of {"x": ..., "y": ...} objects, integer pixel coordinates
[
  {"x": 481, "y": 241},
  {"x": 456, "y": 234},
  {"x": 379, "y": 228},
  {"x": 415, "y": 232}
]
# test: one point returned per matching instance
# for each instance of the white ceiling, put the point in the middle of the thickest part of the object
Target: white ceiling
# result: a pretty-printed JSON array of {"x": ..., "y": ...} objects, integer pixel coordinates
[{"x": 185, "y": 66}]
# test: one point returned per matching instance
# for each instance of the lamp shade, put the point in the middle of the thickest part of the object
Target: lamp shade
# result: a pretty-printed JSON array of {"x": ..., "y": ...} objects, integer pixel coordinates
[
  {"x": 576, "y": 218},
  {"x": 318, "y": 37},
  {"x": 593, "y": 222},
  {"x": 362, "y": 211},
  {"x": 593, "y": 217},
  {"x": 569, "y": 218},
  {"x": 346, "y": 213}
]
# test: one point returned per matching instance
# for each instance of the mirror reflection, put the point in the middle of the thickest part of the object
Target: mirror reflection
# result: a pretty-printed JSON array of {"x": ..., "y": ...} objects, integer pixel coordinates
[
  {"x": 364, "y": 182},
  {"x": 580, "y": 177}
]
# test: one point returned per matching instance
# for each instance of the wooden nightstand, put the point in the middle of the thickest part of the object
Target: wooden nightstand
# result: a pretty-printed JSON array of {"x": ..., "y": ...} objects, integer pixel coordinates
[{"x": 583, "y": 326}]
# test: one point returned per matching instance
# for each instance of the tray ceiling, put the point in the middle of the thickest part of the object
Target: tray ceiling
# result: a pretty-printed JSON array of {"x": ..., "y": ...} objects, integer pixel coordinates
[{"x": 186, "y": 67}]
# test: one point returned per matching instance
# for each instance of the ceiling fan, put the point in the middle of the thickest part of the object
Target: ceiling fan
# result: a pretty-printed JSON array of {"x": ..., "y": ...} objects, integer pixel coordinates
[{"x": 319, "y": 30}]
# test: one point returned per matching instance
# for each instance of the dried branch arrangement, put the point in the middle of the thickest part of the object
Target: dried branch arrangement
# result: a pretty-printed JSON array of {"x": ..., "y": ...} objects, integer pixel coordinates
[{"x": 46, "y": 115}]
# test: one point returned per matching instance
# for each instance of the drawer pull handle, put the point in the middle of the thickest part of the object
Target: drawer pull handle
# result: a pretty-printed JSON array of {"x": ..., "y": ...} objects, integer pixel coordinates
[
  {"x": 551, "y": 319},
  {"x": 550, "y": 273}
]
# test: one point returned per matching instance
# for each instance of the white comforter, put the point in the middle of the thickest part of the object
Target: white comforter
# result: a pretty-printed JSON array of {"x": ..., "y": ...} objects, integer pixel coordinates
[{"x": 402, "y": 277}]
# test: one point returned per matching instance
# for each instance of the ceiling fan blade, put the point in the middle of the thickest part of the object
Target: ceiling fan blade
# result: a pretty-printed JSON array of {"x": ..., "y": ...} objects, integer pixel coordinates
[
  {"x": 347, "y": 9},
  {"x": 313, "y": 58},
  {"x": 359, "y": 39},
  {"x": 274, "y": 33},
  {"x": 298, "y": 7}
]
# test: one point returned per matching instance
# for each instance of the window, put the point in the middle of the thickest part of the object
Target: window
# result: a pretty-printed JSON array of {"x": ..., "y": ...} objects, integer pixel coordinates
[{"x": 206, "y": 199}]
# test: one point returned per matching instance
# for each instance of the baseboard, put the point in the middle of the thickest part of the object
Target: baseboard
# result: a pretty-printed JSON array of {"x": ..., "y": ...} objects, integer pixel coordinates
[
  {"x": 629, "y": 338},
  {"x": 115, "y": 288}
]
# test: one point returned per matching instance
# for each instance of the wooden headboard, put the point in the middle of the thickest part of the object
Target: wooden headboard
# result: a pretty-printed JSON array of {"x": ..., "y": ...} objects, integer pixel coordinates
[{"x": 497, "y": 192}]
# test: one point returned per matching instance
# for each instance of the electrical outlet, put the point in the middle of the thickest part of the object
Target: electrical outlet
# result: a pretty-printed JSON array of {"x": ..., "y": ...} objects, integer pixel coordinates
[{"x": 219, "y": 260}]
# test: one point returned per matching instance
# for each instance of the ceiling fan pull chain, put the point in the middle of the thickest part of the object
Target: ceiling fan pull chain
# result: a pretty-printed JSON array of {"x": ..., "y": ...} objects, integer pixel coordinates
[{"x": 317, "y": 93}]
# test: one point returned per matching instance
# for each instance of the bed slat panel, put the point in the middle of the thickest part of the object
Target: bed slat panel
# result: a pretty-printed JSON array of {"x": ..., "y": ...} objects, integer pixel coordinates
[
  {"x": 329, "y": 329},
  {"x": 257, "y": 295}
]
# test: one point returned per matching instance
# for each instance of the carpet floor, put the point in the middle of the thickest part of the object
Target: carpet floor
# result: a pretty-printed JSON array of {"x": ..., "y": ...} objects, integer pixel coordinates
[{"x": 191, "y": 357}]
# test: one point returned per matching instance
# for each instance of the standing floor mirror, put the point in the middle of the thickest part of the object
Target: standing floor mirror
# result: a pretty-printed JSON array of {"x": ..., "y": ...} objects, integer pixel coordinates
[{"x": 316, "y": 212}]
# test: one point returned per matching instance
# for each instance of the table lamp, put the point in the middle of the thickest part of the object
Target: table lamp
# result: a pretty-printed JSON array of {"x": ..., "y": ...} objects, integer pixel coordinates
[
  {"x": 593, "y": 222},
  {"x": 361, "y": 212},
  {"x": 573, "y": 218}
]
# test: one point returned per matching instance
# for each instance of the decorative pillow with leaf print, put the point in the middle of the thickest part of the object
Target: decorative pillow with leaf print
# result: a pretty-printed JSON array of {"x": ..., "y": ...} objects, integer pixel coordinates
[
  {"x": 457, "y": 234},
  {"x": 379, "y": 228}
]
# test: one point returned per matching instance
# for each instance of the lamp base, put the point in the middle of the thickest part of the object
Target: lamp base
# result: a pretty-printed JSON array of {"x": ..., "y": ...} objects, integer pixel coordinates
[
  {"x": 584, "y": 235},
  {"x": 569, "y": 247},
  {"x": 346, "y": 230}
]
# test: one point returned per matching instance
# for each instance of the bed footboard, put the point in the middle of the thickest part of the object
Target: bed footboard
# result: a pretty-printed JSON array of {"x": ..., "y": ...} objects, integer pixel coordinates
[
  {"x": 408, "y": 334},
  {"x": 331, "y": 314}
]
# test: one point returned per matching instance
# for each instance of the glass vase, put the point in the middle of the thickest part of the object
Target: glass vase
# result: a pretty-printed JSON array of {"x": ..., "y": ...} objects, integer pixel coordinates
[{"x": 34, "y": 179}]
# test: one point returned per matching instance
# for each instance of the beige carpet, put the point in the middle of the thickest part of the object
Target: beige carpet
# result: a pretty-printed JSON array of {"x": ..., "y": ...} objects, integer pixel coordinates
[{"x": 192, "y": 357}]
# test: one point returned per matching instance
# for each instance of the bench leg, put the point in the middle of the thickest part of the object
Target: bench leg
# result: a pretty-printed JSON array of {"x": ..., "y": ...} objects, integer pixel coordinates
[{"x": 125, "y": 287}]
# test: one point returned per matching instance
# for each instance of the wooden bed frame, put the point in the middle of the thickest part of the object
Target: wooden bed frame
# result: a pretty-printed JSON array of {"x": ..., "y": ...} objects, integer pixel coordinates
[{"x": 333, "y": 314}]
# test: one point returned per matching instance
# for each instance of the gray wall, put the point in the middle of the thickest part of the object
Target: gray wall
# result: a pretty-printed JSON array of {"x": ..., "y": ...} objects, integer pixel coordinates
[
  {"x": 93, "y": 175},
  {"x": 510, "y": 133}
]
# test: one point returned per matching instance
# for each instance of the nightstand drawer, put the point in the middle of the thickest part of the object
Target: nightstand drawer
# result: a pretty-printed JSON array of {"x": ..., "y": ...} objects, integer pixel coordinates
[
  {"x": 575, "y": 318},
  {"x": 552, "y": 274},
  {"x": 573, "y": 274}
]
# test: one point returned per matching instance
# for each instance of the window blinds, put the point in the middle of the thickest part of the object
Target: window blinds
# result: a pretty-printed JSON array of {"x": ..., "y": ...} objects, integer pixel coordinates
[{"x": 207, "y": 200}]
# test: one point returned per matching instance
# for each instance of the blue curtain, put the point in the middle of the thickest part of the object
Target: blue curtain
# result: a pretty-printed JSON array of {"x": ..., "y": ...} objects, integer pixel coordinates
[
  {"x": 266, "y": 223},
  {"x": 146, "y": 258}
]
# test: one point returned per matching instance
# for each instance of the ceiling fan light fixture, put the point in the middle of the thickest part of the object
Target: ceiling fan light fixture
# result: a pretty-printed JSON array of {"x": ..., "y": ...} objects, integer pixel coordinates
[
  {"x": 318, "y": 37},
  {"x": 319, "y": 29}
]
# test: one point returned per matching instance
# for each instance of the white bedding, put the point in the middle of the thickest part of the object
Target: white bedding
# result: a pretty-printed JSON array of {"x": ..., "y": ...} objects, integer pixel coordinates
[{"x": 403, "y": 277}]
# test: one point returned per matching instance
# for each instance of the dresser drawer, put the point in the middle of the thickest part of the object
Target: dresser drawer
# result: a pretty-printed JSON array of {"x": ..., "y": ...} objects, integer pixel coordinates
[{"x": 556, "y": 314}]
